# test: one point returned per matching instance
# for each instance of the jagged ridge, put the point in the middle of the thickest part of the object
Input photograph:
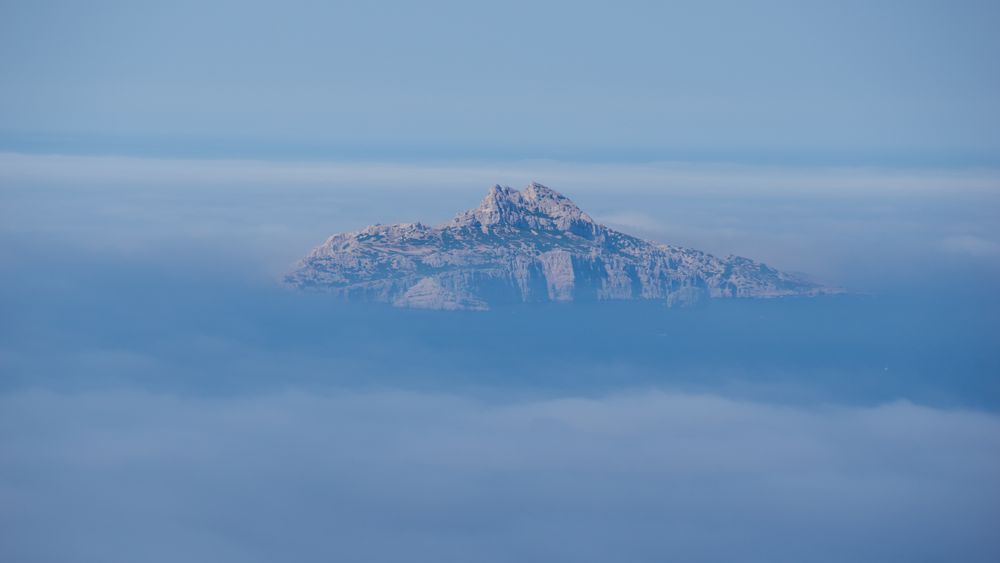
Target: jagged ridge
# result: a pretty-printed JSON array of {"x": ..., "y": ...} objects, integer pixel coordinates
[{"x": 529, "y": 246}]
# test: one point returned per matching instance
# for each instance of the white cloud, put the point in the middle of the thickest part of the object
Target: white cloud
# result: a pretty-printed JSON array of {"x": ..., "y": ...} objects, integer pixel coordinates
[
  {"x": 632, "y": 219},
  {"x": 391, "y": 476},
  {"x": 970, "y": 245},
  {"x": 579, "y": 177},
  {"x": 863, "y": 228}
]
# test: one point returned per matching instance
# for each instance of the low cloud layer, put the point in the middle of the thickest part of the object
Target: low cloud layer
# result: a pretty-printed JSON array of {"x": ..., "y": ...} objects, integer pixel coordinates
[
  {"x": 162, "y": 401},
  {"x": 678, "y": 177},
  {"x": 971, "y": 245},
  {"x": 393, "y": 476},
  {"x": 864, "y": 228}
]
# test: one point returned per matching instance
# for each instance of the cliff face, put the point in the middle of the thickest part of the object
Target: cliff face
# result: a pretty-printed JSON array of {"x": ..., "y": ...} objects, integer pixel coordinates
[{"x": 526, "y": 246}]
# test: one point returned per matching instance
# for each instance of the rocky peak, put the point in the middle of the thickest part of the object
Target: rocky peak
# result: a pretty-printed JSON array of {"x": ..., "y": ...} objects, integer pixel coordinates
[
  {"x": 538, "y": 208},
  {"x": 538, "y": 192}
]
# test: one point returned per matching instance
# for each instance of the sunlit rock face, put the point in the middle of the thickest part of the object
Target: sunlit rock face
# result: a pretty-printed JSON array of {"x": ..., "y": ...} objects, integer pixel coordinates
[{"x": 526, "y": 246}]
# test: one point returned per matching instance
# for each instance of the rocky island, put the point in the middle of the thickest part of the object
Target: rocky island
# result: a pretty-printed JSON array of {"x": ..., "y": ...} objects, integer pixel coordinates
[{"x": 527, "y": 246}]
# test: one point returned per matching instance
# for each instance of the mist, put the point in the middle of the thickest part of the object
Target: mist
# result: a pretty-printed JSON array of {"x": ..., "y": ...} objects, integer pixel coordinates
[
  {"x": 391, "y": 476},
  {"x": 163, "y": 398}
]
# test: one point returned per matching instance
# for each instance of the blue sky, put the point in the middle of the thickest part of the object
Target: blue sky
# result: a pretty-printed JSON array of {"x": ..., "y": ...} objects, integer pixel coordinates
[{"x": 870, "y": 82}]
